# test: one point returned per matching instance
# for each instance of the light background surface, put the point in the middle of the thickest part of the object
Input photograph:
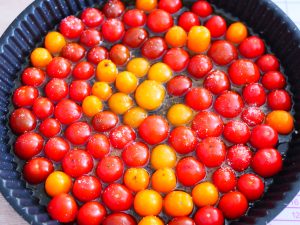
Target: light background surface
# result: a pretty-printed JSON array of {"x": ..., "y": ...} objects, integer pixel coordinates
[{"x": 10, "y": 9}]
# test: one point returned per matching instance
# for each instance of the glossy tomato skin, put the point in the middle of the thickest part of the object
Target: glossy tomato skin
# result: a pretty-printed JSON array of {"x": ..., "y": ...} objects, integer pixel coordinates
[
  {"x": 78, "y": 133},
  {"x": 202, "y": 8},
  {"x": 263, "y": 136},
  {"x": 56, "y": 148},
  {"x": 97, "y": 54},
  {"x": 90, "y": 37},
  {"x": 50, "y": 127},
  {"x": 154, "y": 48},
  {"x": 113, "y": 8},
  {"x": 25, "y": 96},
  {"x": 117, "y": 197},
  {"x": 73, "y": 52},
  {"x": 199, "y": 98},
  {"x": 273, "y": 80},
  {"x": 239, "y": 157},
  {"x": 217, "y": 82},
  {"x": 98, "y": 146},
  {"x": 136, "y": 154},
  {"x": 37, "y": 170},
  {"x": 229, "y": 104},
  {"x": 183, "y": 140},
  {"x": 104, "y": 121},
  {"x": 224, "y": 179},
  {"x": 254, "y": 94},
  {"x": 113, "y": 30},
  {"x": 252, "y": 47},
  {"x": 217, "y": 26},
  {"x": 92, "y": 17},
  {"x": 79, "y": 89},
  {"x": 67, "y": 111},
  {"x": 86, "y": 188},
  {"x": 83, "y": 71},
  {"x": 110, "y": 169},
  {"x": 199, "y": 66},
  {"x": 56, "y": 89},
  {"x": 121, "y": 136},
  {"x": 135, "y": 37},
  {"x": 268, "y": 63},
  {"x": 32, "y": 76},
  {"x": 252, "y": 116},
  {"x": 159, "y": 21},
  {"x": 211, "y": 151},
  {"x": 236, "y": 132},
  {"x": 222, "y": 52},
  {"x": 171, "y": 6},
  {"x": 28, "y": 145},
  {"x": 119, "y": 54},
  {"x": 267, "y": 162},
  {"x": 119, "y": 218},
  {"x": 209, "y": 215},
  {"x": 251, "y": 186},
  {"x": 63, "y": 208},
  {"x": 190, "y": 171},
  {"x": 279, "y": 100},
  {"x": 91, "y": 213},
  {"x": 177, "y": 59},
  {"x": 135, "y": 18},
  {"x": 71, "y": 27},
  {"x": 179, "y": 85},
  {"x": 154, "y": 129},
  {"x": 77, "y": 162},
  {"x": 59, "y": 67},
  {"x": 187, "y": 20},
  {"x": 43, "y": 107},
  {"x": 182, "y": 221},
  {"x": 22, "y": 120}
]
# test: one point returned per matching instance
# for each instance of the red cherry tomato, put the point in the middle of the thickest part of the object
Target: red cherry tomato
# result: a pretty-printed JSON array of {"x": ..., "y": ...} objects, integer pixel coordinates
[
  {"x": 136, "y": 154},
  {"x": 209, "y": 215},
  {"x": 171, "y": 6},
  {"x": 117, "y": 197},
  {"x": 239, "y": 157},
  {"x": 119, "y": 218},
  {"x": 267, "y": 162},
  {"x": 56, "y": 89},
  {"x": 268, "y": 63},
  {"x": 154, "y": 48},
  {"x": 59, "y": 67},
  {"x": 202, "y": 8},
  {"x": 135, "y": 18},
  {"x": 273, "y": 80},
  {"x": 63, "y": 208},
  {"x": 79, "y": 89},
  {"x": 224, "y": 179},
  {"x": 25, "y": 96},
  {"x": 98, "y": 146},
  {"x": 97, "y": 54},
  {"x": 67, "y": 111},
  {"x": 22, "y": 120},
  {"x": 134, "y": 37},
  {"x": 71, "y": 27},
  {"x": 229, "y": 104},
  {"x": 92, "y": 17},
  {"x": 236, "y": 132},
  {"x": 154, "y": 129},
  {"x": 233, "y": 205},
  {"x": 86, "y": 188},
  {"x": 190, "y": 171},
  {"x": 56, "y": 148},
  {"x": 90, "y": 37},
  {"x": 119, "y": 54},
  {"x": 252, "y": 47},
  {"x": 78, "y": 133},
  {"x": 263, "y": 136},
  {"x": 28, "y": 145},
  {"x": 187, "y": 20},
  {"x": 77, "y": 162},
  {"x": 110, "y": 169},
  {"x": 279, "y": 100},
  {"x": 50, "y": 127},
  {"x": 42, "y": 108},
  {"x": 183, "y": 140},
  {"x": 199, "y": 98},
  {"x": 199, "y": 66},
  {"x": 37, "y": 170},
  {"x": 252, "y": 116},
  {"x": 243, "y": 72},
  {"x": 217, "y": 82},
  {"x": 177, "y": 59},
  {"x": 113, "y": 8},
  {"x": 184, "y": 220},
  {"x": 207, "y": 124},
  {"x": 113, "y": 30},
  {"x": 211, "y": 151},
  {"x": 217, "y": 26},
  {"x": 32, "y": 76},
  {"x": 159, "y": 21},
  {"x": 73, "y": 52},
  {"x": 83, "y": 71},
  {"x": 222, "y": 52},
  {"x": 91, "y": 213},
  {"x": 251, "y": 186},
  {"x": 179, "y": 85},
  {"x": 121, "y": 136},
  {"x": 104, "y": 121},
  {"x": 254, "y": 94}
]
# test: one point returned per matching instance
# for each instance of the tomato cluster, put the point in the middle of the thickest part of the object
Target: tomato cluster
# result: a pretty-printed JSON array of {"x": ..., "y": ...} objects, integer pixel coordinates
[{"x": 138, "y": 134}]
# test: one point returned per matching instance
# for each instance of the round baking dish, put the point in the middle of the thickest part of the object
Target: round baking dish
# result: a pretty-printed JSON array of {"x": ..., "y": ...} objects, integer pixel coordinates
[{"x": 263, "y": 16}]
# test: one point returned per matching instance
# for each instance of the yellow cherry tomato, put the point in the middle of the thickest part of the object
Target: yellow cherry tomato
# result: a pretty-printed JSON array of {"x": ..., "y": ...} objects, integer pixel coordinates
[
  {"x": 150, "y": 95},
  {"x": 198, "y": 39},
  {"x": 134, "y": 117},
  {"x": 148, "y": 203},
  {"x": 136, "y": 179},
  {"x": 178, "y": 203},
  {"x": 106, "y": 71},
  {"x": 91, "y": 105},
  {"x": 180, "y": 114},
  {"x": 138, "y": 66},
  {"x": 54, "y": 42},
  {"x": 176, "y": 36},
  {"x": 160, "y": 72},
  {"x": 151, "y": 220},
  {"x": 120, "y": 103},
  {"x": 205, "y": 194},
  {"x": 163, "y": 156},
  {"x": 236, "y": 33},
  {"x": 40, "y": 57},
  {"x": 163, "y": 180},
  {"x": 146, "y": 5},
  {"x": 126, "y": 82},
  {"x": 102, "y": 90},
  {"x": 282, "y": 121},
  {"x": 58, "y": 183}
]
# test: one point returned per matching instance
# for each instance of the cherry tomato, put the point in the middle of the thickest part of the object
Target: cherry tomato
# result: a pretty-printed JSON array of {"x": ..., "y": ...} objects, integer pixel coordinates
[
  {"x": 268, "y": 63},
  {"x": 71, "y": 27},
  {"x": 59, "y": 67},
  {"x": 179, "y": 114},
  {"x": 97, "y": 54},
  {"x": 236, "y": 132},
  {"x": 263, "y": 136},
  {"x": 252, "y": 47},
  {"x": 159, "y": 21},
  {"x": 217, "y": 82},
  {"x": 32, "y": 76},
  {"x": 236, "y": 32},
  {"x": 190, "y": 171},
  {"x": 67, "y": 111},
  {"x": 83, "y": 71},
  {"x": 77, "y": 162},
  {"x": 119, "y": 54},
  {"x": 217, "y": 26},
  {"x": 179, "y": 85},
  {"x": 205, "y": 194},
  {"x": 119, "y": 218},
  {"x": 98, "y": 146},
  {"x": 37, "y": 170},
  {"x": 104, "y": 121},
  {"x": 56, "y": 89},
  {"x": 110, "y": 169},
  {"x": 224, "y": 178},
  {"x": 134, "y": 18},
  {"x": 117, "y": 197},
  {"x": 229, "y": 104},
  {"x": 154, "y": 48},
  {"x": 25, "y": 96},
  {"x": 202, "y": 8},
  {"x": 86, "y": 188},
  {"x": 28, "y": 145},
  {"x": 58, "y": 183},
  {"x": 211, "y": 151},
  {"x": 281, "y": 121},
  {"x": 183, "y": 140},
  {"x": 73, "y": 52},
  {"x": 134, "y": 37},
  {"x": 136, "y": 179},
  {"x": 199, "y": 66},
  {"x": 163, "y": 180},
  {"x": 113, "y": 8},
  {"x": 40, "y": 57},
  {"x": 254, "y": 94},
  {"x": 56, "y": 148},
  {"x": 79, "y": 89},
  {"x": 252, "y": 116},
  {"x": 92, "y": 17},
  {"x": 91, "y": 213},
  {"x": 199, "y": 98},
  {"x": 267, "y": 162},
  {"x": 90, "y": 38},
  {"x": 42, "y": 108},
  {"x": 209, "y": 215},
  {"x": 50, "y": 127},
  {"x": 78, "y": 133},
  {"x": 178, "y": 203},
  {"x": 146, "y": 5},
  {"x": 182, "y": 221},
  {"x": 163, "y": 156},
  {"x": 177, "y": 59},
  {"x": 222, "y": 52},
  {"x": 148, "y": 202},
  {"x": 279, "y": 100},
  {"x": 176, "y": 37},
  {"x": 22, "y": 120},
  {"x": 171, "y": 6},
  {"x": 251, "y": 186},
  {"x": 121, "y": 136},
  {"x": 113, "y": 30},
  {"x": 187, "y": 20},
  {"x": 136, "y": 154},
  {"x": 273, "y": 80},
  {"x": 239, "y": 157}
]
